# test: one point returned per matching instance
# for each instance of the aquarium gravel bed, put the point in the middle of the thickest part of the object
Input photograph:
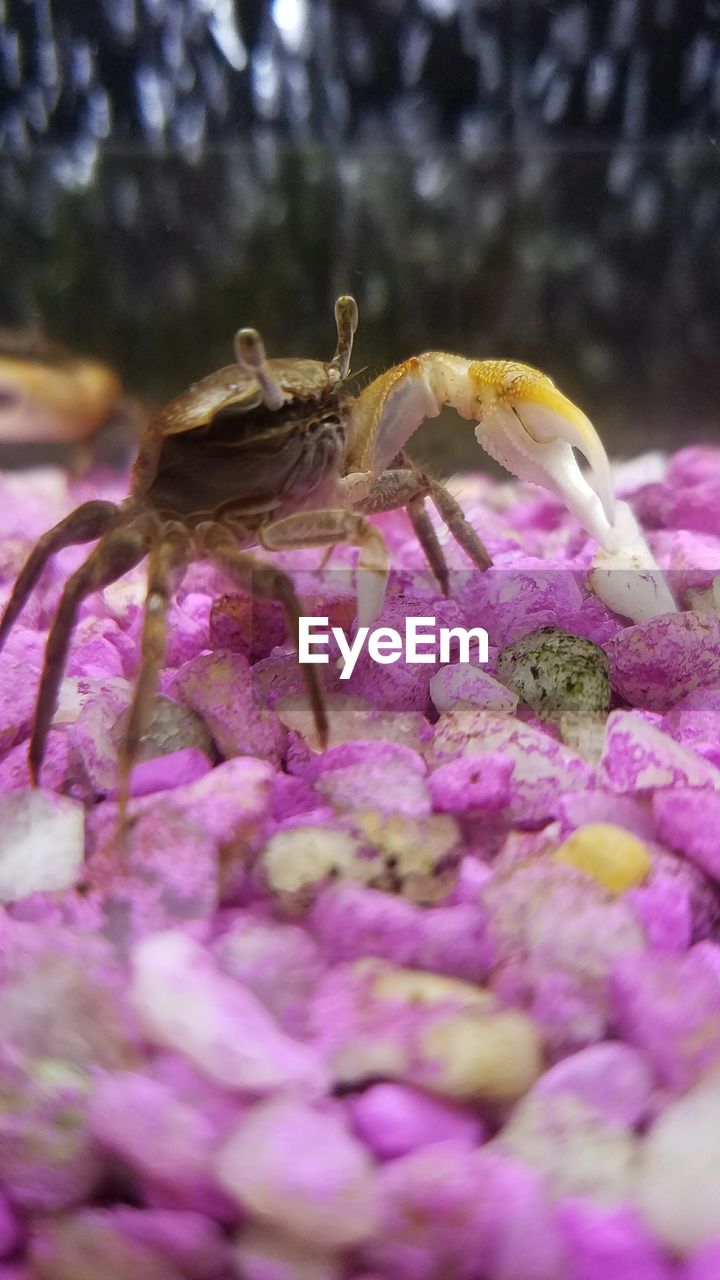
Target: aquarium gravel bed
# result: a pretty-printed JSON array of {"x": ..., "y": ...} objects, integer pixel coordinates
[{"x": 440, "y": 1002}]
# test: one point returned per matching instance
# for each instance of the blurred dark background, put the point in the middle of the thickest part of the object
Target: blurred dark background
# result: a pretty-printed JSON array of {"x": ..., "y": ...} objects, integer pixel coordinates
[{"x": 499, "y": 177}]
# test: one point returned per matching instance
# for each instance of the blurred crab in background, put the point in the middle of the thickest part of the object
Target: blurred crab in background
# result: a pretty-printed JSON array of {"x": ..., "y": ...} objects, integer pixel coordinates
[
  {"x": 279, "y": 454},
  {"x": 56, "y": 406}
]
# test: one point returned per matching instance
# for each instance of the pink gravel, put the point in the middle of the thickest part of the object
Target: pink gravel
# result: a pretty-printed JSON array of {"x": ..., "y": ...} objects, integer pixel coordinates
[{"x": 344, "y": 1015}]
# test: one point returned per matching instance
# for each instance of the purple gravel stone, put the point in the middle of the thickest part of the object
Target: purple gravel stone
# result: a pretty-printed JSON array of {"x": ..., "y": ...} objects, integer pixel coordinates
[
  {"x": 669, "y": 1007},
  {"x": 612, "y": 1077},
  {"x": 394, "y": 1119},
  {"x": 703, "y": 1265},
  {"x": 472, "y": 782},
  {"x": 609, "y": 1244},
  {"x": 689, "y": 820},
  {"x": 164, "y": 773}
]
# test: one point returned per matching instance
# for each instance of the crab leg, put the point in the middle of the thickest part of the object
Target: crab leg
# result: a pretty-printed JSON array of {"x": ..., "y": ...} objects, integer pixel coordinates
[
  {"x": 430, "y": 543},
  {"x": 406, "y": 486},
  {"x": 168, "y": 557},
  {"x": 83, "y": 525},
  {"x": 523, "y": 421},
  {"x": 265, "y": 580},
  {"x": 324, "y": 528},
  {"x": 116, "y": 553}
]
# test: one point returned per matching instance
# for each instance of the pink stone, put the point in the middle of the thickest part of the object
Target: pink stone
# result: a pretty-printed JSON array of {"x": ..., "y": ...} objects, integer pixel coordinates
[
  {"x": 11, "y": 1231},
  {"x": 49, "y": 1160},
  {"x": 231, "y": 802},
  {"x": 280, "y": 963},
  {"x": 164, "y": 773},
  {"x": 401, "y": 685},
  {"x": 59, "y": 767},
  {"x": 301, "y": 1170},
  {"x": 604, "y": 1242},
  {"x": 361, "y": 751},
  {"x": 689, "y": 821},
  {"x": 188, "y": 623},
  {"x": 709, "y": 953},
  {"x": 292, "y": 797},
  {"x": 188, "y": 1240},
  {"x": 612, "y": 1077},
  {"x": 445, "y": 1206},
  {"x": 164, "y": 874},
  {"x": 434, "y": 1215},
  {"x": 17, "y": 700},
  {"x": 639, "y": 757},
  {"x": 381, "y": 784},
  {"x": 694, "y": 463},
  {"x": 218, "y": 686},
  {"x": 579, "y": 808},
  {"x": 472, "y": 782},
  {"x": 351, "y": 718},
  {"x": 456, "y": 941},
  {"x": 89, "y": 1244},
  {"x": 703, "y": 1265},
  {"x": 516, "y": 597},
  {"x": 472, "y": 874},
  {"x": 664, "y": 910},
  {"x": 693, "y": 560},
  {"x": 695, "y": 725},
  {"x": 656, "y": 663},
  {"x": 393, "y": 1119},
  {"x": 556, "y": 936},
  {"x": 544, "y": 768},
  {"x": 464, "y": 682},
  {"x": 245, "y": 625},
  {"x": 280, "y": 674},
  {"x": 94, "y": 733},
  {"x": 187, "y": 1004},
  {"x": 669, "y": 1007},
  {"x": 168, "y": 1133},
  {"x": 349, "y": 921}
]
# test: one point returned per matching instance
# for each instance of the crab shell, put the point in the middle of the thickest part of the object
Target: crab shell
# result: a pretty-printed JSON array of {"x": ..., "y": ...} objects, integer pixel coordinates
[
  {"x": 48, "y": 395},
  {"x": 235, "y": 389}
]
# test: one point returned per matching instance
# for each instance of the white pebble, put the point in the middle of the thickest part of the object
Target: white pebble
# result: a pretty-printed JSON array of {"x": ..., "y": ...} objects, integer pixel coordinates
[
  {"x": 577, "y": 1150},
  {"x": 41, "y": 843},
  {"x": 463, "y": 682},
  {"x": 185, "y": 1003},
  {"x": 678, "y": 1172}
]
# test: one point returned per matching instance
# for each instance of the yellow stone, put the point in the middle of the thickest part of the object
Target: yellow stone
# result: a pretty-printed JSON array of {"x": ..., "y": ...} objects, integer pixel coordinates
[
  {"x": 611, "y": 855},
  {"x": 469, "y": 1056}
]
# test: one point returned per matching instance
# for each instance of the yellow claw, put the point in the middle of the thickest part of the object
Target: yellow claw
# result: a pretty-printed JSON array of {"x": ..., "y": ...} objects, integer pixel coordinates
[{"x": 524, "y": 423}]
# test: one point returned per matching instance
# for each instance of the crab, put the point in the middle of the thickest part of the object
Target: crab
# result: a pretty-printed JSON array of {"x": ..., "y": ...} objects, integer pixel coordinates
[
  {"x": 278, "y": 454},
  {"x": 50, "y": 395}
]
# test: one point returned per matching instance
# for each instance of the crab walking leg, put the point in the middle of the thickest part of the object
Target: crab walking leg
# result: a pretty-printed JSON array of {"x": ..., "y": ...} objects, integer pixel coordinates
[
  {"x": 406, "y": 486},
  {"x": 462, "y": 531},
  {"x": 322, "y": 528},
  {"x": 168, "y": 557},
  {"x": 523, "y": 421},
  {"x": 83, "y": 525},
  {"x": 430, "y": 543},
  {"x": 119, "y": 551},
  {"x": 265, "y": 580}
]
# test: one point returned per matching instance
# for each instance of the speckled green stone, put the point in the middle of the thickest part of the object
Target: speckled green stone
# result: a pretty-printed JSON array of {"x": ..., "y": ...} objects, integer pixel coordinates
[{"x": 556, "y": 674}]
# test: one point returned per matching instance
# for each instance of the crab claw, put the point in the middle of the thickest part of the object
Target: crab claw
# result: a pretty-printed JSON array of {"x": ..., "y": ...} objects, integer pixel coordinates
[{"x": 528, "y": 425}]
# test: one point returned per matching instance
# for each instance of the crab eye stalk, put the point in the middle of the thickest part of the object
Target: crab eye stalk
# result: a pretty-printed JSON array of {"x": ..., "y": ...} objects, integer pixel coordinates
[
  {"x": 250, "y": 353},
  {"x": 346, "y": 319}
]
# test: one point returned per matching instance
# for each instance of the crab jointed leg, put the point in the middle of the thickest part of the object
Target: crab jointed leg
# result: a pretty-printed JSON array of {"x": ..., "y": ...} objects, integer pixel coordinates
[{"x": 523, "y": 421}]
